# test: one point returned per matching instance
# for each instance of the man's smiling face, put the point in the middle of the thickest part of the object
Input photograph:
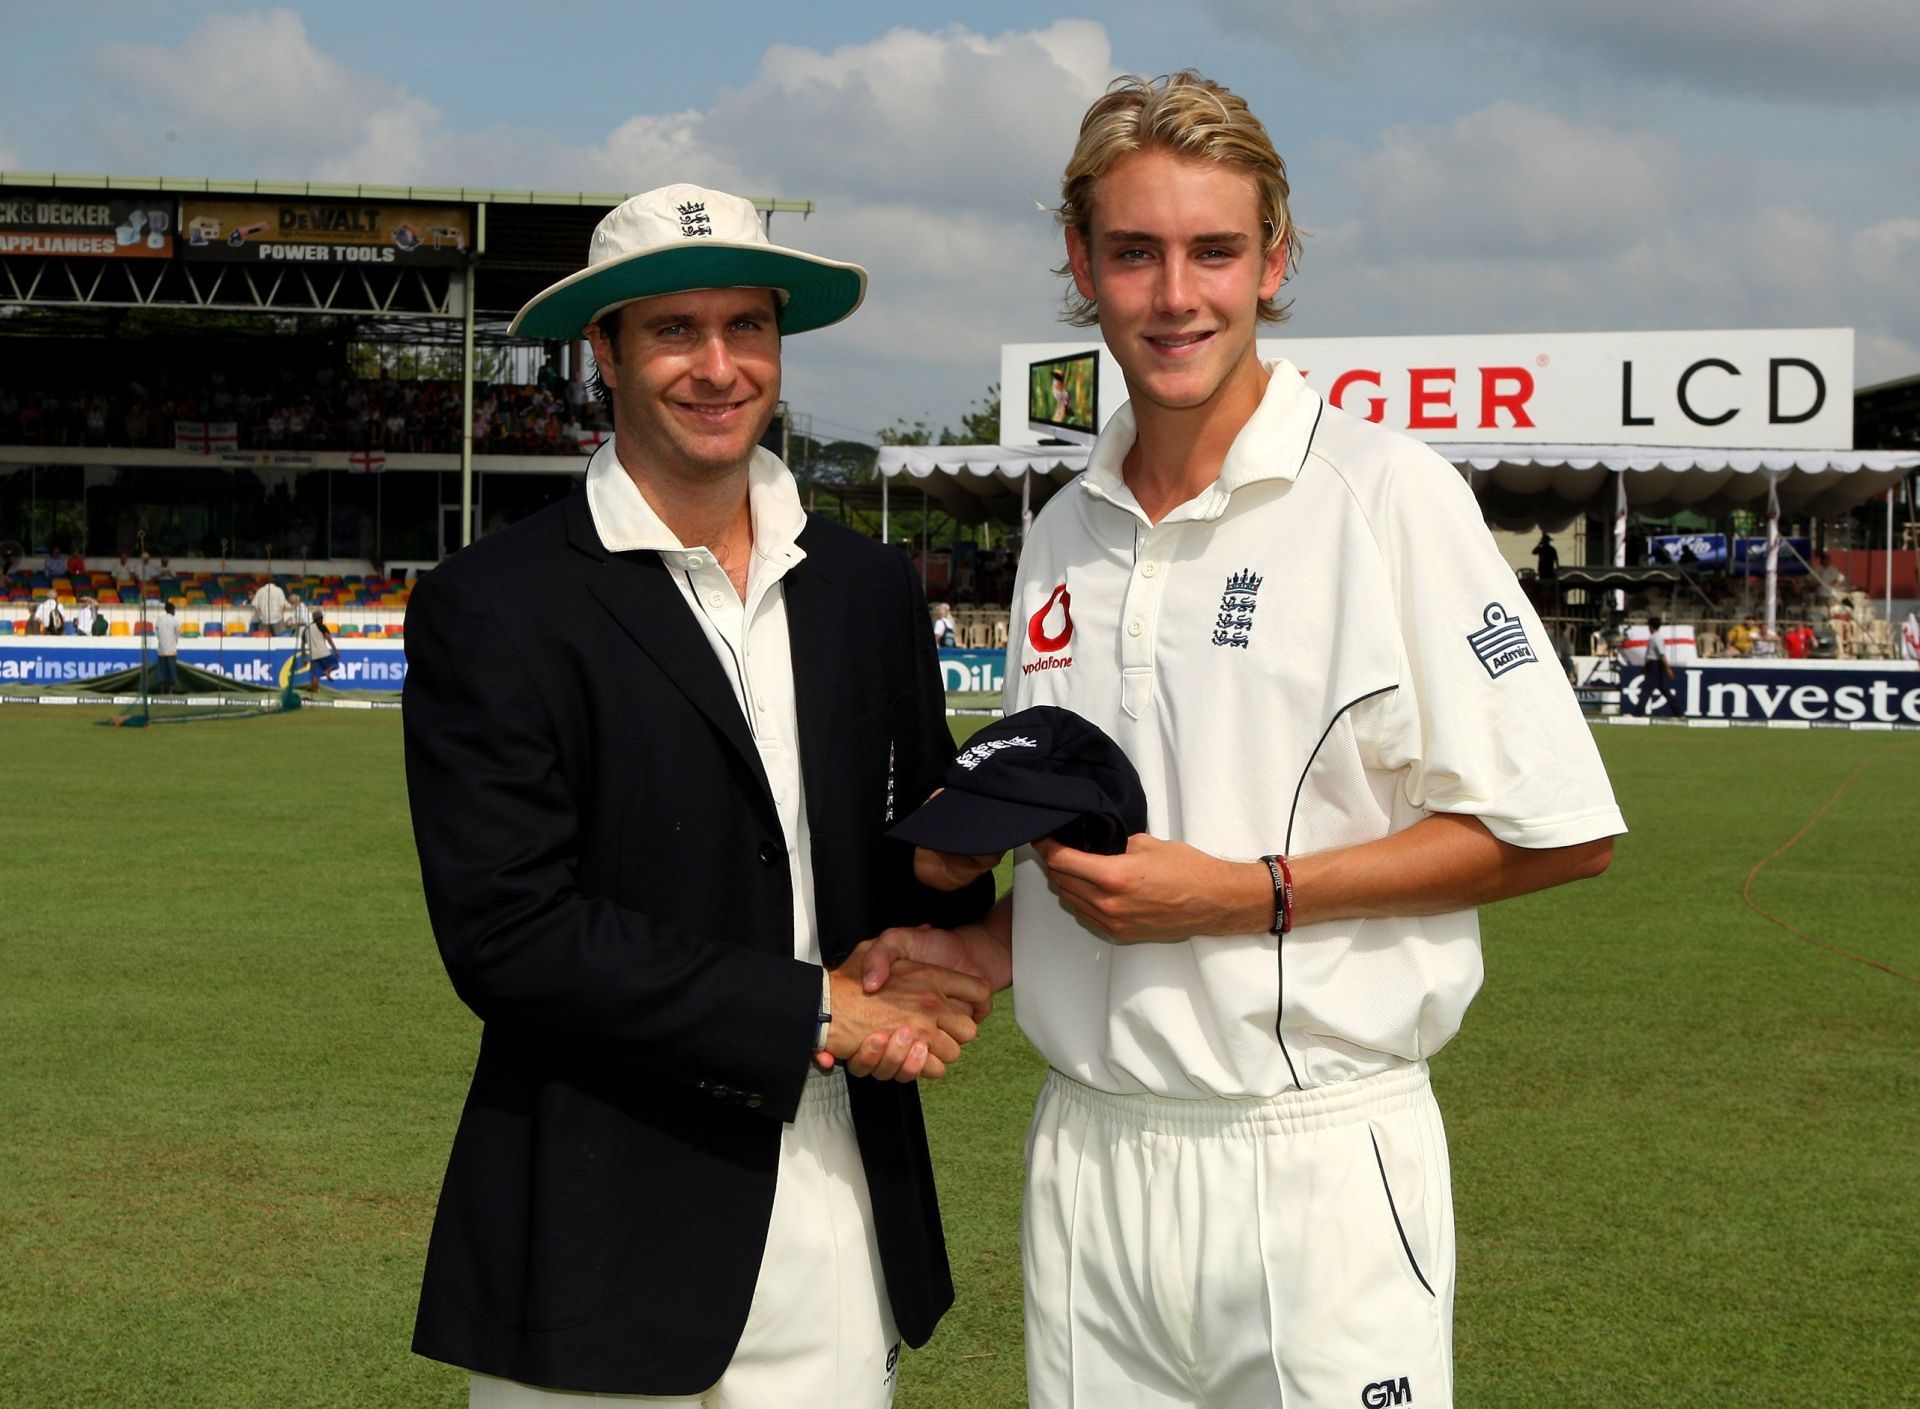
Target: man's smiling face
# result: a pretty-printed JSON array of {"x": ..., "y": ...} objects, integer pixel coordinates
[
  {"x": 1175, "y": 261},
  {"x": 695, "y": 377}
]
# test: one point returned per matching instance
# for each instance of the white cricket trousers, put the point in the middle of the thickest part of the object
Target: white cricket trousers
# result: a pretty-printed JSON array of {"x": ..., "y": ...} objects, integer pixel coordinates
[
  {"x": 1288, "y": 1253},
  {"x": 820, "y": 1330}
]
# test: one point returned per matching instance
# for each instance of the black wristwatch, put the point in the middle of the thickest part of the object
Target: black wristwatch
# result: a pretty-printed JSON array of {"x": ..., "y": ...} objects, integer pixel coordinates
[{"x": 823, "y": 1020}]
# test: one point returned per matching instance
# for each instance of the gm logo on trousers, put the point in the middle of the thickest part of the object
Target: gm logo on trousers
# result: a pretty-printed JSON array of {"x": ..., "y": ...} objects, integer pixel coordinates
[{"x": 1384, "y": 1392}]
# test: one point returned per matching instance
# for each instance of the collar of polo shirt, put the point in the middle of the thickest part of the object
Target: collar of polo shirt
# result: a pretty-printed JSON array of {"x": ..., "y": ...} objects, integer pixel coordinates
[
  {"x": 625, "y": 520},
  {"x": 1272, "y": 445}
]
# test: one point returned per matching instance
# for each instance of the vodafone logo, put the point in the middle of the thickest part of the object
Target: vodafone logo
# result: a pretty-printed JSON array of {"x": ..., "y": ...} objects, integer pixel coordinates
[{"x": 1038, "y": 636}]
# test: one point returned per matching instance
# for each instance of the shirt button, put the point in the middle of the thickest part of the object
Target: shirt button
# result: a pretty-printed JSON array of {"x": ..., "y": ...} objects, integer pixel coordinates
[
  {"x": 714, "y": 599},
  {"x": 1133, "y": 627},
  {"x": 1149, "y": 568},
  {"x": 767, "y": 853}
]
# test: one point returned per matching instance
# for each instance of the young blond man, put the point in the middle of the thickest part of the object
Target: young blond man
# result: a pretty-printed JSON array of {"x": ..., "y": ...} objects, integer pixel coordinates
[{"x": 1298, "y": 628}]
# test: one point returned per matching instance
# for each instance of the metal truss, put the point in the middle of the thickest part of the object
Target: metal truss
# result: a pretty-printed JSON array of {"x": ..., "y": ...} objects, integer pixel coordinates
[{"x": 64, "y": 281}]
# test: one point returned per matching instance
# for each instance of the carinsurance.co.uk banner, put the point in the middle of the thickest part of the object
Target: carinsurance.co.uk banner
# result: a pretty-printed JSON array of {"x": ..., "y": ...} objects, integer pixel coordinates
[{"x": 59, "y": 660}]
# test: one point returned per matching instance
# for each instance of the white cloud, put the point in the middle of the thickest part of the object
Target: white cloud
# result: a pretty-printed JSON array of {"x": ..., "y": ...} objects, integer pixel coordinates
[
  {"x": 926, "y": 152},
  {"x": 1512, "y": 181},
  {"x": 250, "y": 95},
  {"x": 1844, "y": 52},
  {"x": 1511, "y": 219}
]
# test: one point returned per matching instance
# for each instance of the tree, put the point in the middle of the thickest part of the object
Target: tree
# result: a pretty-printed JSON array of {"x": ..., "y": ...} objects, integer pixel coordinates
[{"x": 980, "y": 427}]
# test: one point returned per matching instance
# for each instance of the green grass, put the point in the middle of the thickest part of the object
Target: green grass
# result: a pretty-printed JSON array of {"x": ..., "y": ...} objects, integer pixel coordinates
[{"x": 230, "y": 1066}]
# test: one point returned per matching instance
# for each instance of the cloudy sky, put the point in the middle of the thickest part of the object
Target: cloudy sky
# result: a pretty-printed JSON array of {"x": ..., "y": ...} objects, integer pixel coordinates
[{"x": 1467, "y": 166}]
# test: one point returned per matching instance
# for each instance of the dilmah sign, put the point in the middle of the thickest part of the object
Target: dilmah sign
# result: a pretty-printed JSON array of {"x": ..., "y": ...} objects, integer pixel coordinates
[{"x": 1761, "y": 694}]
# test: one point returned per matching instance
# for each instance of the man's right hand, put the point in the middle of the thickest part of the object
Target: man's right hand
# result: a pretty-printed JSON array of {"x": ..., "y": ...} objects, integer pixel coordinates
[{"x": 921, "y": 1019}]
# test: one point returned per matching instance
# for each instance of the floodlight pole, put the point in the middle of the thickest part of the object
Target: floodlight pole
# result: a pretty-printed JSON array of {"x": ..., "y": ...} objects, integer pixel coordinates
[
  {"x": 1773, "y": 556},
  {"x": 1892, "y": 494},
  {"x": 466, "y": 401},
  {"x": 1620, "y": 538}
]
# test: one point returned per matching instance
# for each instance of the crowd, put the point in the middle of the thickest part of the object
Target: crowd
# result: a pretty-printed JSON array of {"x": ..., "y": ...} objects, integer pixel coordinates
[{"x": 324, "y": 411}]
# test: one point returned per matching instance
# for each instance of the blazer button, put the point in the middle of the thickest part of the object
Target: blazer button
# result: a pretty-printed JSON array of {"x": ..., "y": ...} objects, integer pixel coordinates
[
  {"x": 720, "y": 1093},
  {"x": 753, "y": 1103},
  {"x": 768, "y": 854}
]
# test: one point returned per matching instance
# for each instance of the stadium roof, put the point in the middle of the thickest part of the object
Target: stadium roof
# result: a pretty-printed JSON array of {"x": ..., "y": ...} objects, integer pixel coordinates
[{"x": 525, "y": 239}]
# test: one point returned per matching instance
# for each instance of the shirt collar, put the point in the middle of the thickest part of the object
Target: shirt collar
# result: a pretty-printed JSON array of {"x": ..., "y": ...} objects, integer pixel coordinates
[
  {"x": 625, "y": 521},
  {"x": 1272, "y": 445}
]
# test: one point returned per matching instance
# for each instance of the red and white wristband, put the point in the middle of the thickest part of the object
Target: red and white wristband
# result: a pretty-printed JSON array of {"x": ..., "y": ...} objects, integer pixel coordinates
[{"x": 1282, "y": 875}]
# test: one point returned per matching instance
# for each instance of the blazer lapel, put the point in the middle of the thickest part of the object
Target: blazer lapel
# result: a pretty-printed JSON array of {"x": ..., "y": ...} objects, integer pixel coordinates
[
  {"x": 637, "y": 591},
  {"x": 822, "y": 657}
]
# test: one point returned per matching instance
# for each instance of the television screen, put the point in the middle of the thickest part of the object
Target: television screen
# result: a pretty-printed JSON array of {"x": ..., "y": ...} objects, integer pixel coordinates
[
  {"x": 1063, "y": 397},
  {"x": 1688, "y": 550}
]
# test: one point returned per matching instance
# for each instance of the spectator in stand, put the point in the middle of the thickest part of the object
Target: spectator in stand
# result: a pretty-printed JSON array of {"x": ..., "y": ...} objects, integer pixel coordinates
[
  {"x": 1740, "y": 638},
  {"x": 944, "y": 631},
  {"x": 298, "y": 616},
  {"x": 1799, "y": 641},
  {"x": 87, "y": 621},
  {"x": 56, "y": 563},
  {"x": 166, "y": 644},
  {"x": 1548, "y": 557},
  {"x": 269, "y": 607},
  {"x": 47, "y": 618},
  {"x": 1766, "y": 643}
]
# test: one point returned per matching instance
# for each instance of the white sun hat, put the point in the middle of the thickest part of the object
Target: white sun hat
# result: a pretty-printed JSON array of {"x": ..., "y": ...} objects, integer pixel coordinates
[{"x": 678, "y": 238}]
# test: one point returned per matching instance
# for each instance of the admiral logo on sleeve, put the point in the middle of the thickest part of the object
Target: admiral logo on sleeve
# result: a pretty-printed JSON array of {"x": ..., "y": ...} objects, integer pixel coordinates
[{"x": 1502, "y": 643}]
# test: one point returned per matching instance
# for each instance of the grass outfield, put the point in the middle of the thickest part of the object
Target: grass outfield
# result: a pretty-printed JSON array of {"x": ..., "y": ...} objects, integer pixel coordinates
[{"x": 230, "y": 1066}]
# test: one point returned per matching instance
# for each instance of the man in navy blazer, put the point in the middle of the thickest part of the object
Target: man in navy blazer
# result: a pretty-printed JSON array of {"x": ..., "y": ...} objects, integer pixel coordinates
[{"x": 654, "y": 736}]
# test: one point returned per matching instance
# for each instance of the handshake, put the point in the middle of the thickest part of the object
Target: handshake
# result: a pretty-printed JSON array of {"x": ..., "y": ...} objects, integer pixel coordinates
[{"x": 906, "y": 1002}]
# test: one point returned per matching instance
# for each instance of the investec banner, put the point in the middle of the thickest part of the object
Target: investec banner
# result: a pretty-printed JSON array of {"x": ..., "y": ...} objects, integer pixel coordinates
[
  {"x": 1849, "y": 692},
  {"x": 93, "y": 226},
  {"x": 67, "y": 660},
  {"x": 1788, "y": 388},
  {"x": 324, "y": 232}
]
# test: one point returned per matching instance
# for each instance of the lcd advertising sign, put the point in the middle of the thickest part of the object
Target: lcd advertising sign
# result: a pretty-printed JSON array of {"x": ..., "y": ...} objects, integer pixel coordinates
[{"x": 1778, "y": 388}]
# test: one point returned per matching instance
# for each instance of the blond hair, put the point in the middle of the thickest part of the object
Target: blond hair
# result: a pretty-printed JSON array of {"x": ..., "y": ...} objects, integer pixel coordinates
[{"x": 1190, "y": 116}]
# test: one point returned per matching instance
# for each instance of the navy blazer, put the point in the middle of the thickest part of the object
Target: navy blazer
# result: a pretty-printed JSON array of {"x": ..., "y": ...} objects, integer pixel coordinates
[{"x": 605, "y": 873}]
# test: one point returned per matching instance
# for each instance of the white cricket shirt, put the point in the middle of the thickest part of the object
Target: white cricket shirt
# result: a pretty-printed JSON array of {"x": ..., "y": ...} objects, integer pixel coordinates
[
  {"x": 749, "y": 638},
  {"x": 1319, "y": 649}
]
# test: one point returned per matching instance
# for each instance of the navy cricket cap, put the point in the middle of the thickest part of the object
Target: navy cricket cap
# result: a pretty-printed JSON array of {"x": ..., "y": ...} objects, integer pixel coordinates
[{"x": 1043, "y": 772}]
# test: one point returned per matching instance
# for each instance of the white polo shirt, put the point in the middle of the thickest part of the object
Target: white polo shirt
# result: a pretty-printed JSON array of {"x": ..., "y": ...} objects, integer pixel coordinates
[
  {"x": 1319, "y": 649},
  {"x": 748, "y": 638}
]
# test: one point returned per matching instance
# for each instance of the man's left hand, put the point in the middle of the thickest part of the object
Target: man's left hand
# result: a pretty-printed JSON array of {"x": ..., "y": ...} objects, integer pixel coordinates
[{"x": 1159, "y": 891}]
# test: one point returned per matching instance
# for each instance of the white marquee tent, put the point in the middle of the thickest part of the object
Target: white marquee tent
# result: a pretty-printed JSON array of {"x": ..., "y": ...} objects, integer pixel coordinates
[{"x": 1518, "y": 486}]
